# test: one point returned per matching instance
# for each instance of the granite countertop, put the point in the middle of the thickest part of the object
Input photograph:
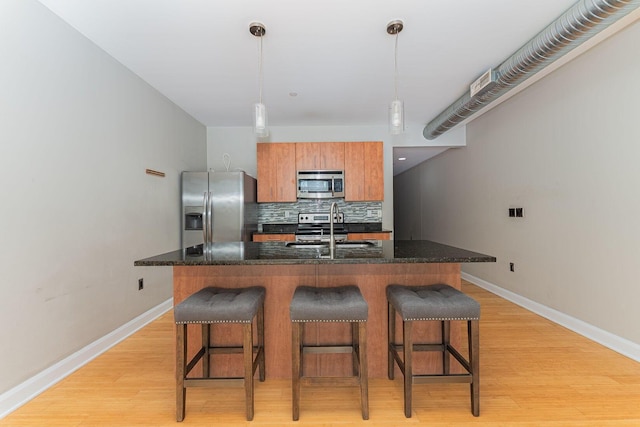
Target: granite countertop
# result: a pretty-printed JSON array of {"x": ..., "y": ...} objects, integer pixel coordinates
[{"x": 277, "y": 253}]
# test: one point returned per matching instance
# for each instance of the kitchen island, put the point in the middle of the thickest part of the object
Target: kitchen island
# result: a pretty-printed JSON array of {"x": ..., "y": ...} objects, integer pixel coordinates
[{"x": 281, "y": 268}]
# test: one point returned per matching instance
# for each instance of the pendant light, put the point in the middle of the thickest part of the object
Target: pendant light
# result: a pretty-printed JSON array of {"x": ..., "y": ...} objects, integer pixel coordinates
[
  {"x": 259, "y": 110},
  {"x": 396, "y": 108}
]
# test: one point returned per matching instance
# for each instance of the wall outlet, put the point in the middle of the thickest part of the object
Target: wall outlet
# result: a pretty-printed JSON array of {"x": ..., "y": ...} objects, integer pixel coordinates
[
  {"x": 516, "y": 212},
  {"x": 287, "y": 214},
  {"x": 140, "y": 284},
  {"x": 369, "y": 213},
  {"x": 379, "y": 212}
]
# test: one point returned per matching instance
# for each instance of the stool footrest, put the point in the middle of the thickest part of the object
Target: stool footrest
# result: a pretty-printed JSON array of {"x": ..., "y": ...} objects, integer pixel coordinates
[
  {"x": 330, "y": 381},
  {"x": 208, "y": 381},
  {"x": 420, "y": 347},
  {"x": 395, "y": 349},
  {"x": 222, "y": 350},
  {"x": 319, "y": 349},
  {"x": 228, "y": 350},
  {"x": 442, "y": 379}
]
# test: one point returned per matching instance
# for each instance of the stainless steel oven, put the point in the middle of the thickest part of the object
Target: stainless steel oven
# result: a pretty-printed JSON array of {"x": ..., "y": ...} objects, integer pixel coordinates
[
  {"x": 320, "y": 184},
  {"x": 315, "y": 227}
]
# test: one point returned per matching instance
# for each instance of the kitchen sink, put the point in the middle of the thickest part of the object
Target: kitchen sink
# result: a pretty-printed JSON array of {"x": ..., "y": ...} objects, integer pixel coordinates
[
  {"x": 307, "y": 245},
  {"x": 319, "y": 245},
  {"x": 355, "y": 244}
]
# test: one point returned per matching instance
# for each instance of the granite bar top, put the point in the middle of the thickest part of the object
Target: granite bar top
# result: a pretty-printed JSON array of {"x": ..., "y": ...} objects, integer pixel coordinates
[{"x": 277, "y": 253}]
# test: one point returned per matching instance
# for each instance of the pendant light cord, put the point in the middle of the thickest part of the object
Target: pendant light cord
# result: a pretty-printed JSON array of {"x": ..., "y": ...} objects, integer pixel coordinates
[
  {"x": 395, "y": 62},
  {"x": 260, "y": 80}
]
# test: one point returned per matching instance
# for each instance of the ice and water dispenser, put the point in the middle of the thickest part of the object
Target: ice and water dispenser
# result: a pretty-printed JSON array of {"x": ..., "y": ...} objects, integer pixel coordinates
[{"x": 193, "y": 218}]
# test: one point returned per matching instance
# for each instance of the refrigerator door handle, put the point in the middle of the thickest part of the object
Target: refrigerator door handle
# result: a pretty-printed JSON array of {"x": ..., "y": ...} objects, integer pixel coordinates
[
  {"x": 210, "y": 217},
  {"x": 205, "y": 222}
]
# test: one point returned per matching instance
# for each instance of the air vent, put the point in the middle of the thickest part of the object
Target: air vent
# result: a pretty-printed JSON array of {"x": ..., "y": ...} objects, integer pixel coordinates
[
  {"x": 578, "y": 24},
  {"x": 482, "y": 83}
]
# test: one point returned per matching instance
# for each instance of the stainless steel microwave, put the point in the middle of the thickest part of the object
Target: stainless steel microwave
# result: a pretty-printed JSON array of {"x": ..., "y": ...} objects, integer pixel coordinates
[{"x": 320, "y": 184}]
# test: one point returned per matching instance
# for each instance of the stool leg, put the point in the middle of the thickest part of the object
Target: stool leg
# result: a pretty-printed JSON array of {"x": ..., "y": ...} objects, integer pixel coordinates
[
  {"x": 408, "y": 369},
  {"x": 473, "y": 331},
  {"x": 181, "y": 352},
  {"x": 261, "y": 360},
  {"x": 206, "y": 344},
  {"x": 446, "y": 338},
  {"x": 364, "y": 379},
  {"x": 295, "y": 369},
  {"x": 247, "y": 346},
  {"x": 391, "y": 339},
  {"x": 355, "y": 344}
]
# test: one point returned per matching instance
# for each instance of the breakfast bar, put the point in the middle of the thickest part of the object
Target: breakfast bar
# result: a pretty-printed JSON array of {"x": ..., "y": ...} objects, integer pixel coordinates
[{"x": 281, "y": 267}]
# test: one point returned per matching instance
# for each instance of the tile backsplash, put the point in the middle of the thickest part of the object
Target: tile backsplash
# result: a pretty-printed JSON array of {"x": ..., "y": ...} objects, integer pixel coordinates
[{"x": 276, "y": 213}]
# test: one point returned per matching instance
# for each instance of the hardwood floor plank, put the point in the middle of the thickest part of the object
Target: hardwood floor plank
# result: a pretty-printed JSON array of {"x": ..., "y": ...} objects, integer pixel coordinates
[{"x": 533, "y": 373}]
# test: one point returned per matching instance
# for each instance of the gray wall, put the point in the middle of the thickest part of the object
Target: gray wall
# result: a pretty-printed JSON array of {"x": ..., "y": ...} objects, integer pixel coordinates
[
  {"x": 567, "y": 149},
  {"x": 77, "y": 131}
]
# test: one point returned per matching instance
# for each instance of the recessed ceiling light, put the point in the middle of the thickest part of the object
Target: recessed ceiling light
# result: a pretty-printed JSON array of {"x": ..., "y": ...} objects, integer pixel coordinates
[{"x": 402, "y": 158}]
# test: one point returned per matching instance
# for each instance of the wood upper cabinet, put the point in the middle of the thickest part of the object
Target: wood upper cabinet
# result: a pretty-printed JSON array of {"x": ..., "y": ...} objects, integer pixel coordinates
[
  {"x": 276, "y": 176},
  {"x": 364, "y": 171},
  {"x": 320, "y": 155},
  {"x": 362, "y": 163}
]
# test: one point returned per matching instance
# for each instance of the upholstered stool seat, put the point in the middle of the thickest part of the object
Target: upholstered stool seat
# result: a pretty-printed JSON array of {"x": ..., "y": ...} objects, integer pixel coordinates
[
  {"x": 441, "y": 303},
  {"x": 336, "y": 304},
  {"x": 219, "y": 305}
]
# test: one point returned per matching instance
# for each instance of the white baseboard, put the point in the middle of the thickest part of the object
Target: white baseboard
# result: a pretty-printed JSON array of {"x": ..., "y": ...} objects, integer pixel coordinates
[
  {"x": 22, "y": 393},
  {"x": 607, "y": 339}
]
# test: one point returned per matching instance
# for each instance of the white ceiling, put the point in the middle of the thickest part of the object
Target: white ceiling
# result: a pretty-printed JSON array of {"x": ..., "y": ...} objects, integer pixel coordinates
[{"x": 334, "y": 54}]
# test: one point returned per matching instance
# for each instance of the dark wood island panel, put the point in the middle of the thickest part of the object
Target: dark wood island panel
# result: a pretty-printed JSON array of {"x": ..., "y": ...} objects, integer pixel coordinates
[{"x": 281, "y": 281}]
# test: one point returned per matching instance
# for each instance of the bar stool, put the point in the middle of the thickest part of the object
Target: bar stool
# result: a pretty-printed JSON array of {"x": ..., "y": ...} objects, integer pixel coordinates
[
  {"x": 219, "y": 305},
  {"x": 434, "y": 303},
  {"x": 336, "y": 304}
]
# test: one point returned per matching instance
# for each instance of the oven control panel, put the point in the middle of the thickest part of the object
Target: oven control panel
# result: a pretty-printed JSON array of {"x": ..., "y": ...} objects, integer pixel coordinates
[{"x": 319, "y": 218}]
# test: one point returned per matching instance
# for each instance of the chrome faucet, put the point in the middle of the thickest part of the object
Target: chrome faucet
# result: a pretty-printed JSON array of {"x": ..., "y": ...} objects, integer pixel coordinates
[{"x": 332, "y": 238}]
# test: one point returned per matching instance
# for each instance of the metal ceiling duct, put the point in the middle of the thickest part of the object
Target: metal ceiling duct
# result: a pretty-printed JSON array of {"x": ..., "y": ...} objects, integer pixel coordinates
[{"x": 579, "y": 23}]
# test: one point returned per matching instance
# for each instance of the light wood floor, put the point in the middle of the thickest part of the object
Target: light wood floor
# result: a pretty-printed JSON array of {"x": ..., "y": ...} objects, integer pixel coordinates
[{"x": 533, "y": 373}]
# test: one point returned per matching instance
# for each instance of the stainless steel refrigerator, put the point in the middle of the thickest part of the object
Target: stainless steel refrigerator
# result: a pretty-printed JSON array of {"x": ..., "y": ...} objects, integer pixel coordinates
[{"x": 218, "y": 207}]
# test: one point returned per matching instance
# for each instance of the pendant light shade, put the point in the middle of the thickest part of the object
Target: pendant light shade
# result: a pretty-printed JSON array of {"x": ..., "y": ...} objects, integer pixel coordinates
[
  {"x": 260, "y": 120},
  {"x": 259, "y": 110},
  {"x": 396, "y": 117},
  {"x": 396, "y": 108}
]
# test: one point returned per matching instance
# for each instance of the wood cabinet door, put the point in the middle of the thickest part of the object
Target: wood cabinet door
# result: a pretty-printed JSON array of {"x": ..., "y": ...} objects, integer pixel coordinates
[
  {"x": 374, "y": 171},
  {"x": 369, "y": 236},
  {"x": 266, "y": 173},
  {"x": 354, "y": 171},
  {"x": 285, "y": 173},
  {"x": 307, "y": 156},
  {"x": 332, "y": 155},
  {"x": 364, "y": 171},
  {"x": 276, "y": 176},
  {"x": 274, "y": 237},
  {"x": 320, "y": 155}
]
